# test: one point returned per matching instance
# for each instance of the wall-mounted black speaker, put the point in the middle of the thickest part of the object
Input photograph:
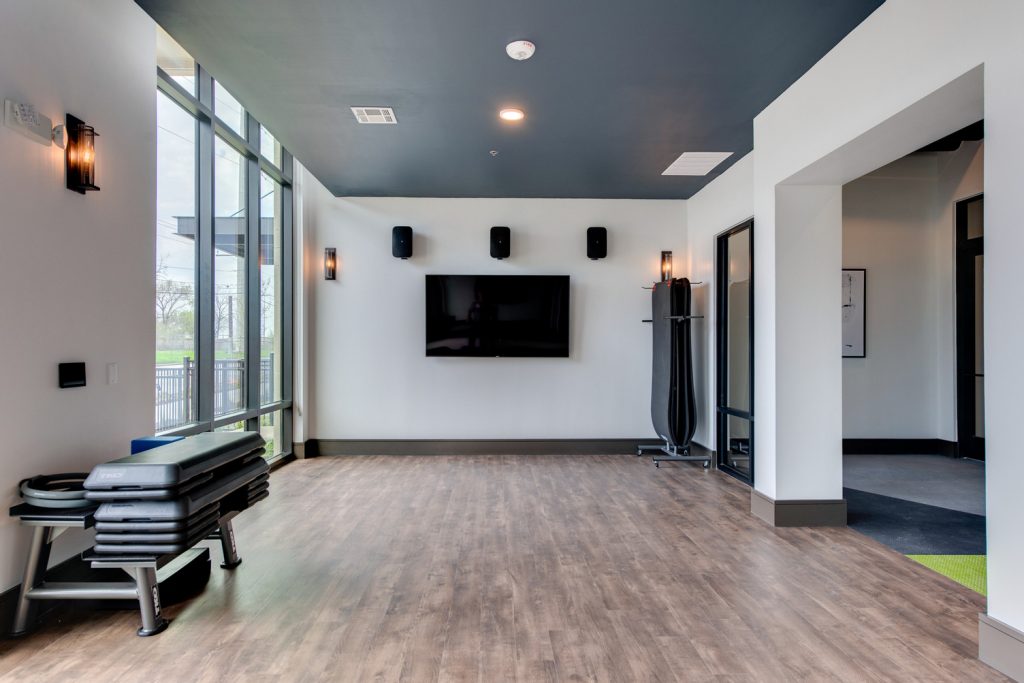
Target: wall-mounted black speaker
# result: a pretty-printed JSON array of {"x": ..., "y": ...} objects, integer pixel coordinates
[
  {"x": 401, "y": 241},
  {"x": 597, "y": 243},
  {"x": 501, "y": 242}
]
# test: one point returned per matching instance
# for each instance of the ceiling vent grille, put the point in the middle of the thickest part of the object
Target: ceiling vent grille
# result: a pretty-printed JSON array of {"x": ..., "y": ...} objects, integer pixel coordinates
[
  {"x": 384, "y": 115},
  {"x": 696, "y": 163}
]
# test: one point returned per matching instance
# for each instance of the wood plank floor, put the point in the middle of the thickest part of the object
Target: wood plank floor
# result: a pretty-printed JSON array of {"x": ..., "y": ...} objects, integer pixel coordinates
[{"x": 529, "y": 568}]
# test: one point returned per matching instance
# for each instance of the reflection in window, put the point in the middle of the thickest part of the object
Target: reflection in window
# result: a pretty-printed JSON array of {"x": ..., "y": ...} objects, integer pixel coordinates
[
  {"x": 272, "y": 433},
  {"x": 177, "y": 63},
  {"x": 229, "y": 279},
  {"x": 228, "y": 109},
  {"x": 270, "y": 148},
  {"x": 270, "y": 290},
  {"x": 175, "y": 265}
]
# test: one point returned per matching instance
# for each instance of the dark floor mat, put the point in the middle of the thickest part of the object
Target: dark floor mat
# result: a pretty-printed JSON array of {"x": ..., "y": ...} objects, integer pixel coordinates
[{"x": 913, "y": 528}]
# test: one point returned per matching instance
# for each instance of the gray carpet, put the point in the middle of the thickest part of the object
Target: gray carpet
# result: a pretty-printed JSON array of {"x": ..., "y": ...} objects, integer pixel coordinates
[
  {"x": 913, "y": 528},
  {"x": 927, "y": 479}
]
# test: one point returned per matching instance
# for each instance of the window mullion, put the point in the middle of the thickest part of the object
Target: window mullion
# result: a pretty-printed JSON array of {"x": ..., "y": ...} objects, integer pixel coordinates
[
  {"x": 253, "y": 304},
  {"x": 205, "y": 261},
  {"x": 287, "y": 290}
]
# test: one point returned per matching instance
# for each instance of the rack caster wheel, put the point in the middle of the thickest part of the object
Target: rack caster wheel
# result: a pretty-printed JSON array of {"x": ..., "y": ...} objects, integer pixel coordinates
[
  {"x": 658, "y": 465},
  {"x": 707, "y": 465}
]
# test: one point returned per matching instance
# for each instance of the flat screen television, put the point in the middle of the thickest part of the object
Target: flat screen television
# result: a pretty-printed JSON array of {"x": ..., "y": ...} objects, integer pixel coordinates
[{"x": 498, "y": 315}]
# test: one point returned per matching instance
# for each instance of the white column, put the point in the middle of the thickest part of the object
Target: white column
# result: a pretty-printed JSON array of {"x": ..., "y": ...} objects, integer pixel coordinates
[{"x": 808, "y": 346}]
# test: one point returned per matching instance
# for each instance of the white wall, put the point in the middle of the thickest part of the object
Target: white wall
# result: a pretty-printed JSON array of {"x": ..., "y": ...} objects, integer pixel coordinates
[
  {"x": 898, "y": 224},
  {"x": 76, "y": 272},
  {"x": 312, "y": 207},
  {"x": 369, "y": 376},
  {"x": 868, "y": 102},
  {"x": 726, "y": 201}
]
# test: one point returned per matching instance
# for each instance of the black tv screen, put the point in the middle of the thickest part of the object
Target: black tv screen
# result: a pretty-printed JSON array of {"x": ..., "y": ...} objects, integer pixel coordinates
[{"x": 498, "y": 315}]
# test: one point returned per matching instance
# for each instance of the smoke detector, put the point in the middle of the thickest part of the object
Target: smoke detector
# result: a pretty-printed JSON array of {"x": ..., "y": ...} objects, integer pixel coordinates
[
  {"x": 379, "y": 115},
  {"x": 520, "y": 50}
]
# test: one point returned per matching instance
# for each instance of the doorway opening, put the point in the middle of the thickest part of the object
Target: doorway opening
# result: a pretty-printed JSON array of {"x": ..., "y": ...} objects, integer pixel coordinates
[{"x": 913, "y": 371}]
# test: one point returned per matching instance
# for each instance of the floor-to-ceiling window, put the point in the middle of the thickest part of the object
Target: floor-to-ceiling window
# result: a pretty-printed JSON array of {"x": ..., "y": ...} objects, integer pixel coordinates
[
  {"x": 229, "y": 278},
  {"x": 175, "y": 265},
  {"x": 223, "y": 271}
]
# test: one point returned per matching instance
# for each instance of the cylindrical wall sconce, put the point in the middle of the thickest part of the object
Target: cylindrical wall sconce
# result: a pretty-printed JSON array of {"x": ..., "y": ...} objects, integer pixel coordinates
[
  {"x": 330, "y": 264},
  {"x": 80, "y": 155},
  {"x": 666, "y": 266}
]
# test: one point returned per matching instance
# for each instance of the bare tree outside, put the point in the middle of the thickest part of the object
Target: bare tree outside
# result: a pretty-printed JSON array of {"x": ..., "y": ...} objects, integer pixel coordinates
[{"x": 171, "y": 295}]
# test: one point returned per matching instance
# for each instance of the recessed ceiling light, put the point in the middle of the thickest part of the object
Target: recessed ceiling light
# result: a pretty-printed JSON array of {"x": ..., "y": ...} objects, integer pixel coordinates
[
  {"x": 383, "y": 115},
  {"x": 511, "y": 115},
  {"x": 696, "y": 163},
  {"x": 520, "y": 50},
  {"x": 494, "y": 152}
]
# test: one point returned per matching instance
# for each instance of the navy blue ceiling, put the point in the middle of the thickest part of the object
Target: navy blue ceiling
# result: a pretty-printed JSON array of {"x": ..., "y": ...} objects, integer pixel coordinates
[{"x": 616, "y": 91}]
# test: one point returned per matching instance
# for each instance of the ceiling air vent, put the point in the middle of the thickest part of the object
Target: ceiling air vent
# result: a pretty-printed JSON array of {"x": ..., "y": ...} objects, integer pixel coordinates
[
  {"x": 384, "y": 115},
  {"x": 696, "y": 163}
]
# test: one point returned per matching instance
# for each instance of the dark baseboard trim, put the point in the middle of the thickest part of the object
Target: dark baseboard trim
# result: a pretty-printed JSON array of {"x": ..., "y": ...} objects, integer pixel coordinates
[
  {"x": 788, "y": 513},
  {"x": 899, "y": 447},
  {"x": 306, "y": 449},
  {"x": 475, "y": 446},
  {"x": 281, "y": 460},
  {"x": 1001, "y": 646}
]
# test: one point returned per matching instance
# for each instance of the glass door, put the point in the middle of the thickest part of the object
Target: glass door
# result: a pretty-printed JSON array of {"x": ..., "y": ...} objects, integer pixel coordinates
[
  {"x": 970, "y": 323},
  {"x": 735, "y": 351}
]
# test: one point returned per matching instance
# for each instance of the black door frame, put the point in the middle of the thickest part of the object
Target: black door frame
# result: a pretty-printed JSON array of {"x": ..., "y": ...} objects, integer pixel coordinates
[
  {"x": 968, "y": 445},
  {"x": 722, "y": 410}
]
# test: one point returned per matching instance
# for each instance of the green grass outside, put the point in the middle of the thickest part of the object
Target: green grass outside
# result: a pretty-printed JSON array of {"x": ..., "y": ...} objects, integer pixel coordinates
[
  {"x": 165, "y": 357},
  {"x": 174, "y": 356}
]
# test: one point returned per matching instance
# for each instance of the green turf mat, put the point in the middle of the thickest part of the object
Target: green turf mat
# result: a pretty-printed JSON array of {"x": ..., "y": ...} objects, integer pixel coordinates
[{"x": 967, "y": 570}]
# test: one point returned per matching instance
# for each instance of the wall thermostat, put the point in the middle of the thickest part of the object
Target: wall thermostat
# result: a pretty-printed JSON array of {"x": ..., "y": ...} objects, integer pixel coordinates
[{"x": 70, "y": 375}]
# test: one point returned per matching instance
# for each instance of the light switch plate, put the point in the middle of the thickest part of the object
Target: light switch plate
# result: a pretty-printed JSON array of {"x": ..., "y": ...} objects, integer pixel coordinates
[
  {"x": 26, "y": 120},
  {"x": 112, "y": 373}
]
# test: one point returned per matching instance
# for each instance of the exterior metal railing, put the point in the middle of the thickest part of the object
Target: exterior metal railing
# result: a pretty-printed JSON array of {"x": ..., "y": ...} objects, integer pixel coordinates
[{"x": 175, "y": 403}]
